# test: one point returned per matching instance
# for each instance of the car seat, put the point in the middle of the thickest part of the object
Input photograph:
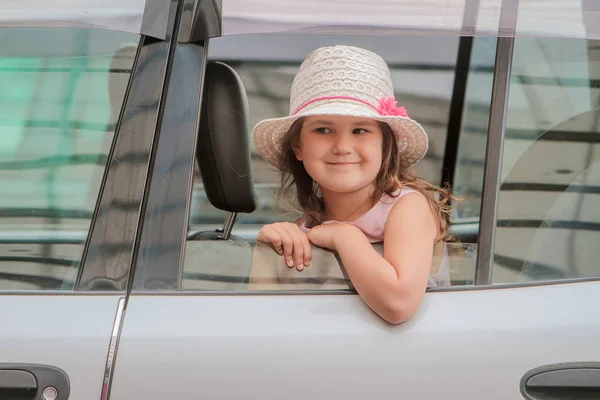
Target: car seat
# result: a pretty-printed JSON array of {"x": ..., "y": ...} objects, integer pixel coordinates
[{"x": 218, "y": 259}]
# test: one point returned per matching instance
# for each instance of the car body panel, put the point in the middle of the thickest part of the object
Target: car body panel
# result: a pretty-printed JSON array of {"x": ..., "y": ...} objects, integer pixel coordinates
[
  {"x": 465, "y": 344},
  {"x": 70, "y": 332}
]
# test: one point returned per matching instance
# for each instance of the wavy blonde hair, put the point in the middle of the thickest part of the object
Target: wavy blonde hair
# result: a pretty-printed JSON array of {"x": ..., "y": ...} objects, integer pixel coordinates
[{"x": 299, "y": 190}]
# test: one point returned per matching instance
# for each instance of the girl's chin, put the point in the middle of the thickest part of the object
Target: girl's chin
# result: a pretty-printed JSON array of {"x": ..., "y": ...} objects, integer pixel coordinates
[{"x": 346, "y": 187}]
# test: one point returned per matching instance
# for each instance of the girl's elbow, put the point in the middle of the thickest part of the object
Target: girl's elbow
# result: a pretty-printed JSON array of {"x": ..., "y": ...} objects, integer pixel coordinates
[
  {"x": 397, "y": 315},
  {"x": 395, "y": 319},
  {"x": 400, "y": 310}
]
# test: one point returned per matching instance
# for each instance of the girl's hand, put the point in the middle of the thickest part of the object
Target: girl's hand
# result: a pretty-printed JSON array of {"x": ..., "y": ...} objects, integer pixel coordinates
[
  {"x": 327, "y": 234},
  {"x": 288, "y": 240}
]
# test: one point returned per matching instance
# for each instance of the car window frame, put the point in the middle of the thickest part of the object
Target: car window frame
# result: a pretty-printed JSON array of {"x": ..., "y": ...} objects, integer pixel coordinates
[
  {"x": 163, "y": 276},
  {"x": 160, "y": 248}
]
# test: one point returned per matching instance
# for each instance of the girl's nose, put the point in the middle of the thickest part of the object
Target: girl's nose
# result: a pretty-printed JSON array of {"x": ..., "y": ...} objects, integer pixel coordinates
[{"x": 342, "y": 143}]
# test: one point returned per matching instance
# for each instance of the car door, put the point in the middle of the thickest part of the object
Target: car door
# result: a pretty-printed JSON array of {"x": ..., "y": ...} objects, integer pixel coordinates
[
  {"x": 78, "y": 108},
  {"x": 518, "y": 320}
]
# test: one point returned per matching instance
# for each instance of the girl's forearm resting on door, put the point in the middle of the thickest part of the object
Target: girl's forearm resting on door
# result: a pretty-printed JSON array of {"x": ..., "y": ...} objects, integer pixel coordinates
[
  {"x": 392, "y": 285},
  {"x": 374, "y": 278}
]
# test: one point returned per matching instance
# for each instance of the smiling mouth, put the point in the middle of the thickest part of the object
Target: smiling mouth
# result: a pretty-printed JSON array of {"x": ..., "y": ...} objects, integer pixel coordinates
[{"x": 342, "y": 163}]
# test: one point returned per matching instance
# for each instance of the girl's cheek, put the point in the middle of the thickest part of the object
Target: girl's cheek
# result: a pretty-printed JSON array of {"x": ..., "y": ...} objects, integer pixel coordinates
[{"x": 376, "y": 155}]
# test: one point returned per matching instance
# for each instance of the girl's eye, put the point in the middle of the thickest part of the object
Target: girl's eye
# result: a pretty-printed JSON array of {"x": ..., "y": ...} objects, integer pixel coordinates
[
  {"x": 323, "y": 130},
  {"x": 359, "y": 131}
]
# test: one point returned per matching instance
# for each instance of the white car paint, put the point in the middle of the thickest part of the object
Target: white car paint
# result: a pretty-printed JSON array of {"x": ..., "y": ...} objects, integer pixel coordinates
[
  {"x": 69, "y": 331},
  {"x": 466, "y": 345}
]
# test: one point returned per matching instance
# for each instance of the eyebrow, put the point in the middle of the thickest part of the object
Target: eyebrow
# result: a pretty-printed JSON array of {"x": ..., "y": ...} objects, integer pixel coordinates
[
  {"x": 363, "y": 123},
  {"x": 325, "y": 122},
  {"x": 320, "y": 122}
]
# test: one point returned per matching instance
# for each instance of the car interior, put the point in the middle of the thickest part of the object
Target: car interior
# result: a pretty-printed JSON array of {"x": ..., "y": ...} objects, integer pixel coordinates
[{"x": 223, "y": 157}]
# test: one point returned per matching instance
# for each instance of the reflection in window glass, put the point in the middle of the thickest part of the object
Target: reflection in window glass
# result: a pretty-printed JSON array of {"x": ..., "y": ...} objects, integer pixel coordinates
[
  {"x": 62, "y": 91},
  {"x": 470, "y": 160},
  {"x": 235, "y": 265},
  {"x": 422, "y": 70},
  {"x": 549, "y": 218}
]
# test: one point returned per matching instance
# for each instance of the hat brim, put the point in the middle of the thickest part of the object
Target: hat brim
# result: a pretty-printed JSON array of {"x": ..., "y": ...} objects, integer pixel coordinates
[{"x": 411, "y": 137}]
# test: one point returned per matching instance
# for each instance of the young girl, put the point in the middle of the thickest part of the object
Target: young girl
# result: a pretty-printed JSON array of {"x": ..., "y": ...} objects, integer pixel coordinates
[{"x": 344, "y": 154}]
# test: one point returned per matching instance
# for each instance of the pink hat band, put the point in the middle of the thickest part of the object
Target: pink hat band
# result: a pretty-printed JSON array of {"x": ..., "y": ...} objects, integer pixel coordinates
[{"x": 387, "y": 105}]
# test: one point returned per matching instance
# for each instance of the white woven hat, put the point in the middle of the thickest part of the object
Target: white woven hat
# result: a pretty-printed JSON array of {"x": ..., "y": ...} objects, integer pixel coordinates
[{"x": 349, "y": 81}]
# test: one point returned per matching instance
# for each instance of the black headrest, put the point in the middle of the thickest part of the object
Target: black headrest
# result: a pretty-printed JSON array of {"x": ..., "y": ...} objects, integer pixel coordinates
[{"x": 223, "y": 151}]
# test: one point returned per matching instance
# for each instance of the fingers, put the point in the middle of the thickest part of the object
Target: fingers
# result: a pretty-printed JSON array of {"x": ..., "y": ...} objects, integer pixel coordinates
[
  {"x": 307, "y": 249},
  {"x": 268, "y": 234},
  {"x": 288, "y": 246},
  {"x": 288, "y": 240},
  {"x": 301, "y": 247}
]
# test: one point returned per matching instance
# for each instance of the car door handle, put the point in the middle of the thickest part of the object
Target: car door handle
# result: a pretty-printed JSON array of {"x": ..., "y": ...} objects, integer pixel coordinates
[
  {"x": 33, "y": 382},
  {"x": 573, "y": 381}
]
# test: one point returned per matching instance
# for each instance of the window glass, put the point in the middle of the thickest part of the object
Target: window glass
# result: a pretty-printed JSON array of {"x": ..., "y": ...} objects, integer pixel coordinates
[
  {"x": 549, "y": 201},
  {"x": 62, "y": 91},
  {"x": 470, "y": 160},
  {"x": 422, "y": 70}
]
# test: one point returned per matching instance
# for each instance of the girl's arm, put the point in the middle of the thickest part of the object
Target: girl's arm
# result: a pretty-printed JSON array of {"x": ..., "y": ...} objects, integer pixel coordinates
[{"x": 392, "y": 285}]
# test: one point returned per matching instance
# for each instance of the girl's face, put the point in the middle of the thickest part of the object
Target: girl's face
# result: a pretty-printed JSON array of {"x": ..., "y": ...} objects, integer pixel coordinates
[{"x": 342, "y": 154}]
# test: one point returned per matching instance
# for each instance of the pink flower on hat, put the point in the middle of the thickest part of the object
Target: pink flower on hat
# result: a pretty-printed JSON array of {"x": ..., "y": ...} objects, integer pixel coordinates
[{"x": 389, "y": 106}]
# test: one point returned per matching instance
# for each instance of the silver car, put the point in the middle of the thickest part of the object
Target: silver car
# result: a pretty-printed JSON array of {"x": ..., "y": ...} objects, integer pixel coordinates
[{"x": 131, "y": 196}]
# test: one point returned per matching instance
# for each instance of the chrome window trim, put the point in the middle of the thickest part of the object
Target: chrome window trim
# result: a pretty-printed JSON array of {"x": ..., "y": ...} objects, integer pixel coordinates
[{"x": 112, "y": 350}]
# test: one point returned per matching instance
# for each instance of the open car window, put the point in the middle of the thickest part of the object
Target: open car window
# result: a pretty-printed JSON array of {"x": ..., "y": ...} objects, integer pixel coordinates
[
  {"x": 422, "y": 71},
  {"x": 547, "y": 220}
]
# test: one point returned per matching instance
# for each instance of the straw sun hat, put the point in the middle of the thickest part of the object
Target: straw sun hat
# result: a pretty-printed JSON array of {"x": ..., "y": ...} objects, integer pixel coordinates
[{"x": 349, "y": 81}]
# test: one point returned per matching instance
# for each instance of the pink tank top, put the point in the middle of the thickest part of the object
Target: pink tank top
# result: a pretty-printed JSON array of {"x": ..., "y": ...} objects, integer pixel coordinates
[{"x": 372, "y": 224}]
